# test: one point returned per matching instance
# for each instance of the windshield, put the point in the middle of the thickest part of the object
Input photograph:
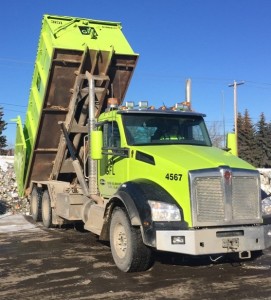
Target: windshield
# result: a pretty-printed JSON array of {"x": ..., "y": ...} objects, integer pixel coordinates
[{"x": 153, "y": 129}]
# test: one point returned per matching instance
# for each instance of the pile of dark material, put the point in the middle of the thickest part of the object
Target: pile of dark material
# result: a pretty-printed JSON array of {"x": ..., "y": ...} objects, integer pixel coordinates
[{"x": 10, "y": 201}]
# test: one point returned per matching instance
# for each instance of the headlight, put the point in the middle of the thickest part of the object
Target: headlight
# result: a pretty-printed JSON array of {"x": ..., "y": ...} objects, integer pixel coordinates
[
  {"x": 162, "y": 211},
  {"x": 266, "y": 206}
]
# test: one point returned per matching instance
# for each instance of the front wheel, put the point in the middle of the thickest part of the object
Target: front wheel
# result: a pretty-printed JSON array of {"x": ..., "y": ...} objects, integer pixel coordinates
[
  {"x": 128, "y": 250},
  {"x": 46, "y": 210}
]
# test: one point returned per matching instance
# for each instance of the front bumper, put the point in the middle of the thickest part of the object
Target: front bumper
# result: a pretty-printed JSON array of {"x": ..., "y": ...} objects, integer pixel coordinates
[{"x": 215, "y": 240}]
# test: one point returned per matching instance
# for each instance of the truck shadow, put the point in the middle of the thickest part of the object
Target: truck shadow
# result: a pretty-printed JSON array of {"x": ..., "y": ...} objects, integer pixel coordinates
[
  {"x": 202, "y": 260},
  {"x": 164, "y": 258},
  {"x": 3, "y": 207}
]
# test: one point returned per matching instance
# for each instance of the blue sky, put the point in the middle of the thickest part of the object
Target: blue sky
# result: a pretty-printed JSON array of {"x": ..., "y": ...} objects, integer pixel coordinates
[{"x": 213, "y": 42}]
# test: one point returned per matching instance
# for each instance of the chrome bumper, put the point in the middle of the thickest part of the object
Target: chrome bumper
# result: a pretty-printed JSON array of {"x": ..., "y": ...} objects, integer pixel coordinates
[{"x": 215, "y": 240}]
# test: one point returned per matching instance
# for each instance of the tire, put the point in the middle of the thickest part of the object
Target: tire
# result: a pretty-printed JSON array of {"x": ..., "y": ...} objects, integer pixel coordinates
[
  {"x": 46, "y": 210},
  {"x": 35, "y": 204},
  {"x": 129, "y": 252}
]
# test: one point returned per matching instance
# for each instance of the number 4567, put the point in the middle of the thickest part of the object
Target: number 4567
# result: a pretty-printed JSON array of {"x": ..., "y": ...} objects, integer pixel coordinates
[{"x": 173, "y": 176}]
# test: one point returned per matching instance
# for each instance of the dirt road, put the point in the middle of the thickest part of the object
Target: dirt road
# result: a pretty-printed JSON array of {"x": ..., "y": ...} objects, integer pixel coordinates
[{"x": 37, "y": 263}]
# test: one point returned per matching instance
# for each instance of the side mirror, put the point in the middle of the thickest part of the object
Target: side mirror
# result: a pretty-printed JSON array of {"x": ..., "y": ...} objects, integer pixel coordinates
[
  {"x": 96, "y": 144},
  {"x": 231, "y": 143}
]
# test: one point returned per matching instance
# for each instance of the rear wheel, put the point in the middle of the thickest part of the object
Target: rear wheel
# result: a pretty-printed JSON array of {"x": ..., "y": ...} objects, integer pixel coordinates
[
  {"x": 35, "y": 204},
  {"x": 128, "y": 250},
  {"x": 46, "y": 210}
]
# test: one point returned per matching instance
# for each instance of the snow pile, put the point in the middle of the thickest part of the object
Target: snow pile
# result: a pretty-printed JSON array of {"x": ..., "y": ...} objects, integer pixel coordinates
[
  {"x": 265, "y": 180},
  {"x": 3, "y": 165},
  {"x": 266, "y": 187},
  {"x": 10, "y": 202}
]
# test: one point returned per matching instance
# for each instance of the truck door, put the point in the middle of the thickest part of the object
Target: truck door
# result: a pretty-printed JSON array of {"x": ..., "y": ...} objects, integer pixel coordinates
[{"x": 113, "y": 167}]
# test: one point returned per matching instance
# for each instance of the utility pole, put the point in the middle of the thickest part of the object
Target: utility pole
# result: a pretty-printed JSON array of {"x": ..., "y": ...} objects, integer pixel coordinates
[
  {"x": 223, "y": 119},
  {"x": 234, "y": 85}
]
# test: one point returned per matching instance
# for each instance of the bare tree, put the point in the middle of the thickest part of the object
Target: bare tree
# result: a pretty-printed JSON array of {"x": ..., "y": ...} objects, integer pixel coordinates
[
  {"x": 216, "y": 134},
  {"x": 3, "y": 124}
]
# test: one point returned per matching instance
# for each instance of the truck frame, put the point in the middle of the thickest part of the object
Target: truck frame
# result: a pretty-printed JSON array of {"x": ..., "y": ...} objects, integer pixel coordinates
[{"x": 84, "y": 156}]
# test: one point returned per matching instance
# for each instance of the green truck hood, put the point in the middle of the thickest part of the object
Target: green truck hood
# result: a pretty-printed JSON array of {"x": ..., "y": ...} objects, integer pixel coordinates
[{"x": 190, "y": 157}]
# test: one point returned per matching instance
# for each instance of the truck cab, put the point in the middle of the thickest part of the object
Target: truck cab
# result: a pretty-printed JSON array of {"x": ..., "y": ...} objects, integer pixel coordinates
[{"x": 185, "y": 195}]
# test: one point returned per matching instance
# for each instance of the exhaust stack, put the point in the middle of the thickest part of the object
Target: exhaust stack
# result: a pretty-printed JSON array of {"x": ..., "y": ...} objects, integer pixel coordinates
[{"x": 188, "y": 93}]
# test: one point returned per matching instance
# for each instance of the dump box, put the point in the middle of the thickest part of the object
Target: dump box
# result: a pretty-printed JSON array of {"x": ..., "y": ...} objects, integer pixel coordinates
[{"x": 68, "y": 47}]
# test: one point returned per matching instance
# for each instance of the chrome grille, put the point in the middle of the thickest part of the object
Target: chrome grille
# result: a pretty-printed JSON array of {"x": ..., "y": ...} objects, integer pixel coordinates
[
  {"x": 209, "y": 193},
  {"x": 244, "y": 193},
  {"x": 218, "y": 200}
]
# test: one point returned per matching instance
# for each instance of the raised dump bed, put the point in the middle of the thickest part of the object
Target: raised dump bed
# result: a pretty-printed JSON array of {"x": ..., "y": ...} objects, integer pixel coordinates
[{"x": 68, "y": 47}]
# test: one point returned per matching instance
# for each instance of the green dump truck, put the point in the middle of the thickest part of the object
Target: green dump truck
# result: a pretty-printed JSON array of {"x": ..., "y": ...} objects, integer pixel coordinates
[{"x": 140, "y": 177}]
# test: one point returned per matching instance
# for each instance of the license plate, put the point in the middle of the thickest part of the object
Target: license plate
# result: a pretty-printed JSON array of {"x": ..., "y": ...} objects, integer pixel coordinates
[{"x": 230, "y": 243}]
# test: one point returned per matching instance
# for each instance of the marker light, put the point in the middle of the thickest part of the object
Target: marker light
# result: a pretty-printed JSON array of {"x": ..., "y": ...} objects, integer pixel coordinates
[
  {"x": 112, "y": 102},
  {"x": 143, "y": 104},
  {"x": 130, "y": 104},
  {"x": 178, "y": 106},
  {"x": 186, "y": 105}
]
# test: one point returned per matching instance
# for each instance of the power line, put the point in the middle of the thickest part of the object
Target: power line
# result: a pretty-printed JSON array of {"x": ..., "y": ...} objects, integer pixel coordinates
[
  {"x": 15, "y": 61},
  {"x": 3, "y": 103},
  {"x": 200, "y": 78},
  {"x": 19, "y": 111},
  {"x": 254, "y": 82}
]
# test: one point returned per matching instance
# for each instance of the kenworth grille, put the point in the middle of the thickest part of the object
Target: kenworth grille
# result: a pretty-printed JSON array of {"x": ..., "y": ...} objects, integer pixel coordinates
[{"x": 225, "y": 196}]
